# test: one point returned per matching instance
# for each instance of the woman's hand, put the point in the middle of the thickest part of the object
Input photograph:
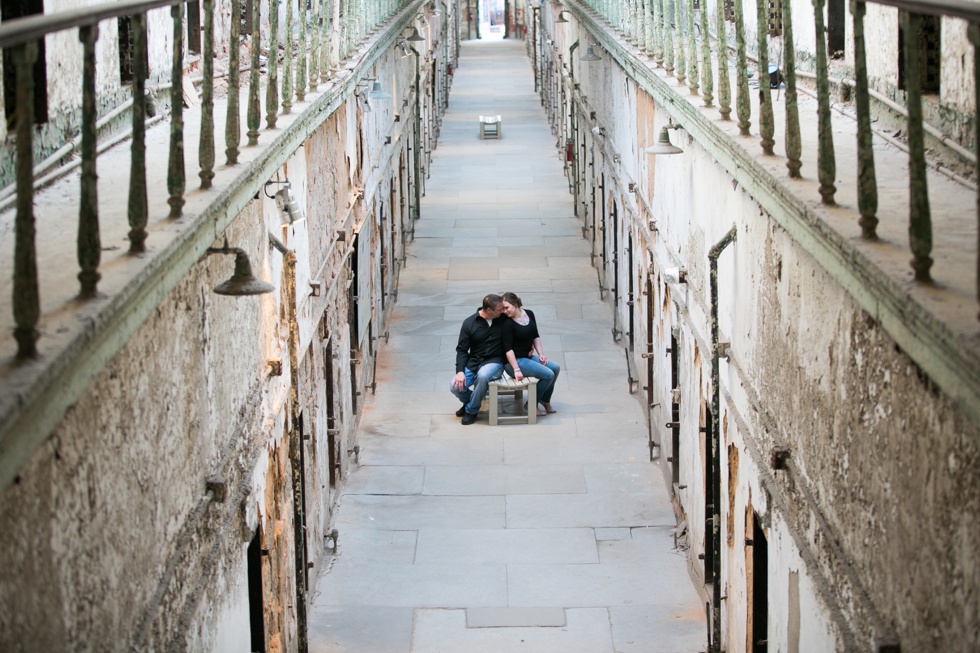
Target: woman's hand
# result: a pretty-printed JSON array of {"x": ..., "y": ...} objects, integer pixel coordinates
[
  {"x": 518, "y": 374},
  {"x": 543, "y": 359}
]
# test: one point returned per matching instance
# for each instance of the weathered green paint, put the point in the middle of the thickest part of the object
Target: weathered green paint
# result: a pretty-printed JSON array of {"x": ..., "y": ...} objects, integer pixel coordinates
[
  {"x": 942, "y": 354},
  {"x": 176, "y": 179},
  {"x": 826, "y": 163},
  {"x": 272, "y": 70},
  {"x": 668, "y": 33},
  {"x": 867, "y": 183},
  {"x": 206, "y": 146},
  {"x": 707, "y": 81},
  {"x": 27, "y": 425},
  {"x": 287, "y": 61},
  {"x": 767, "y": 121},
  {"x": 138, "y": 203},
  {"x": 301, "y": 58},
  {"x": 254, "y": 106},
  {"x": 233, "y": 129},
  {"x": 920, "y": 220},
  {"x": 692, "y": 47},
  {"x": 27, "y": 303},
  {"x": 89, "y": 242},
  {"x": 742, "y": 103},
  {"x": 724, "y": 83},
  {"x": 794, "y": 146},
  {"x": 679, "y": 22}
]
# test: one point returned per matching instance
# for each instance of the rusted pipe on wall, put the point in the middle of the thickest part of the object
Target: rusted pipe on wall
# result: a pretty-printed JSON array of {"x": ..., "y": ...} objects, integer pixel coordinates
[{"x": 714, "y": 646}]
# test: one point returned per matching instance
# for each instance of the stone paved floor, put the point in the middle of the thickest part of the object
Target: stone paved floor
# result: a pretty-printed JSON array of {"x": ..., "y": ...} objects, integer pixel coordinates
[{"x": 554, "y": 537}]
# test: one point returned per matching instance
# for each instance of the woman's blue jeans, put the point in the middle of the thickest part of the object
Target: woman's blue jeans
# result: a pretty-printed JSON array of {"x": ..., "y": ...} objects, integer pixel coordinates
[{"x": 545, "y": 374}]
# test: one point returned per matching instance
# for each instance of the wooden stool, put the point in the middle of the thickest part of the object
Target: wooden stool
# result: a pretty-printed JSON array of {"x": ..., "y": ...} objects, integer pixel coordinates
[
  {"x": 490, "y": 127},
  {"x": 509, "y": 386}
]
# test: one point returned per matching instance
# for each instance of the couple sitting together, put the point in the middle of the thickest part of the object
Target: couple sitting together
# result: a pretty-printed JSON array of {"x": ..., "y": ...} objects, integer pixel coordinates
[{"x": 489, "y": 344}]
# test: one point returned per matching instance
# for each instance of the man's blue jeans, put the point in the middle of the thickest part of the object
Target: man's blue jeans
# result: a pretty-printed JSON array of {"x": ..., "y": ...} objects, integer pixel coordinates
[
  {"x": 479, "y": 382},
  {"x": 545, "y": 374}
]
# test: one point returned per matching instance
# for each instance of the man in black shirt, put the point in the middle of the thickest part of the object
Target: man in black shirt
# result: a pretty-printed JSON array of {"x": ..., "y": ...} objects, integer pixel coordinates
[{"x": 479, "y": 357}]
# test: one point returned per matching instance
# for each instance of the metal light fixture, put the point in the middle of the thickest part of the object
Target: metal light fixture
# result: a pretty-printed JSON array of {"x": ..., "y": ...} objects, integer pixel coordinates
[
  {"x": 377, "y": 93},
  {"x": 286, "y": 201},
  {"x": 561, "y": 17},
  {"x": 598, "y": 131},
  {"x": 243, "y": 282},
  {"x": 663, "y": 145},
  {"x": 415, "y": 37},
  {"x": 590, "y": 55}
]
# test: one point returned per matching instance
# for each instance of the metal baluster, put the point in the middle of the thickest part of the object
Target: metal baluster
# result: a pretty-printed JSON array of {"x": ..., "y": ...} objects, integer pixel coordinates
[
  {"x": 794, "y": 147},
  {"x": 668, "y": 33},
  {"x": 645, "y": 26},
  {"x": 724, "y": 83},
  {"x": 826, "y": 164},
  {"x": 742, "y": 103},
  {"x": 137, "y": 174},
  {"x": 315, "y": 49},
  {"x": 679, "y": 27},
  {"x": 648, "y": 35},
  {"x": 706, "y": 56},
  {"x": 767, "y": 121},
  {"x": 326, "y": 21},
  {"x": 920, "y": 221},
  {"x": 89, "y": 243},
  {"x": 254, "y": 116},
  {"x": 233, "y": 129},
  {"x": 176, "y": 179},
  {"x": 658, "y": 32},
  {"x": 272, "y": 83},
  {"x": 867, "y": 183},
  {"x": 205, "y": 150},
  {"x": 287, "y": 62},
  {"x": 27, "y": 309},
  {"x": 692, "y": 47},
  {"x": 301, "y": 59},
  {"x": 974, "y": 33}
]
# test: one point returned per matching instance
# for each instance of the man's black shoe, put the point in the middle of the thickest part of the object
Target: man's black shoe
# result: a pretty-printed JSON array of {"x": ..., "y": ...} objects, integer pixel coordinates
[
  {"x": 461, "y": 411},
  {"x": 468, "y": 419}
]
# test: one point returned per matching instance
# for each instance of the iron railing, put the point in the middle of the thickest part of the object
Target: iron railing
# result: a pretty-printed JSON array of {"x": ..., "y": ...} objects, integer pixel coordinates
[{"x": 306, "y": 63}]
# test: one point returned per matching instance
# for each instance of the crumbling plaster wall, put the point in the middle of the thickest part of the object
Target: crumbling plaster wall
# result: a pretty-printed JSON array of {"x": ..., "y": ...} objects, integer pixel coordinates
[
  {"x": 878, "y": 447},
  {"x": 112, "y": 493}
]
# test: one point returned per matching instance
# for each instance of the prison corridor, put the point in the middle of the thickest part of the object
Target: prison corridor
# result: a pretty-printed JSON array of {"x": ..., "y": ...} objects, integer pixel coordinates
[{"x": 557, "y": 536}]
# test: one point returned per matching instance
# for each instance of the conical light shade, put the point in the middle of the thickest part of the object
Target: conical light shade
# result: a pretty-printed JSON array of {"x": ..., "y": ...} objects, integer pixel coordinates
[
  {"x": 663, "y": 145},
  {"x": 590, "y": 55},
  {"x": 561, "y": 17},
  {"x": 415, "y": 37},
  {"x": 377, "y": 93},
  {"x": 243, "y": 282}
]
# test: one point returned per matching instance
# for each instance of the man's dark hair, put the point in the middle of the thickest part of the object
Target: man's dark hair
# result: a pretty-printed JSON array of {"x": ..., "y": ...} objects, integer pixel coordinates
[{"x": 491, "y": 302}]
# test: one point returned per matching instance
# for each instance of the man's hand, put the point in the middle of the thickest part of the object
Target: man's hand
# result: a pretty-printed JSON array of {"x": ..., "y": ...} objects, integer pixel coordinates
[{"x": 459, "y": 381}]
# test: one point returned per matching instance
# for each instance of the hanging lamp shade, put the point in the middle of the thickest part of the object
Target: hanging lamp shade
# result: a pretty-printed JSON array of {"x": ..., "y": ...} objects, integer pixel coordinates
[
  {"x": 243, "y": 282},
  {"x": 590, "y": 55},
  {"x": 415, "y": 37},
  {"x": 663, "y": 145},
  {"x": 561, "y": 17},
  {"x": 378, "y": 93}
]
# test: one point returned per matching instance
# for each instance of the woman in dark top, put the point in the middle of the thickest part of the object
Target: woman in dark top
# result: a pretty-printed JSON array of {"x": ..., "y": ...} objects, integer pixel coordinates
[{"x": 525, "y": 355}]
